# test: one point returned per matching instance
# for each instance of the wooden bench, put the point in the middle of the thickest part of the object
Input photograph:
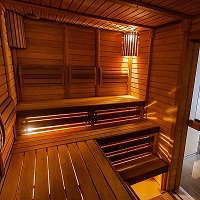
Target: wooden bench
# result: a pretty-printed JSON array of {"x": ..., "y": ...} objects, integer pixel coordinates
[
  {"x": 134, "y": 155},
  {"x": 38, "y": 116}
]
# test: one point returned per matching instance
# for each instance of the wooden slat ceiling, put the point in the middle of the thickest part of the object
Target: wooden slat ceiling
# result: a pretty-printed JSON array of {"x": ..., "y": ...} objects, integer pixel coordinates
[{"x": 121, "y": 15}]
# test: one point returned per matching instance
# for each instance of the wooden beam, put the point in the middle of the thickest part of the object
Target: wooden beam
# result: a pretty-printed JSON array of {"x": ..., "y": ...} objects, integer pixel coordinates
[
  {"x": 194, "y": 35},
  {"x": 151, "y": 8},
  {"x": 69, "y": 13}
]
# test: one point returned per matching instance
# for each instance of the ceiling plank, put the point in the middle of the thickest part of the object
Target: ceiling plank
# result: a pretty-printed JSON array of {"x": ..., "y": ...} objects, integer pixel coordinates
[
  {"x": 151, "y": 8},
  {"x": 67, "y": 12}
]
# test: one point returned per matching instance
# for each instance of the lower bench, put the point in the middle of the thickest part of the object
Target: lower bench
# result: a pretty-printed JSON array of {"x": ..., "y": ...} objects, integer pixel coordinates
[{"x": 134, "y": 157}]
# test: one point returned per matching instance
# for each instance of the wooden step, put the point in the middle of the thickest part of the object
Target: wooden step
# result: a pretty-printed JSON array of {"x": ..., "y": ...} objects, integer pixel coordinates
[
  {"x": 41, "y": 116},
  {"x": 134, "y": 155}
]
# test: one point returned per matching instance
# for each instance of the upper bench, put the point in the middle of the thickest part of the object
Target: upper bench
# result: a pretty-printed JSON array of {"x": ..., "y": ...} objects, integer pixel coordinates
[{"x": 81, "y": 111}]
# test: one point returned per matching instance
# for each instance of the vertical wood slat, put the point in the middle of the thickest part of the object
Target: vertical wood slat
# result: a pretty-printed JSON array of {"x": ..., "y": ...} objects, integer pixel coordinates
[
  {"x": 15, "y": 28},
  {"x": 129, "y": 74},
  {"x": 97, "y": 63},
  {"x": 65, "y": 60},
  {"x": 130, "y": 44},
  {"x": 41, "y": 176},
  {"x": 149, "y": 64}
]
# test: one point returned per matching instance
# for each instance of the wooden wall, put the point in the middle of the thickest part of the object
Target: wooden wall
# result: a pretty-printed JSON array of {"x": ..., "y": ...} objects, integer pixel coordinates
[
  {"x": 8, "y": 98},
  {"x": 66, "y": 61},
  {"x": 8, "y": 60},
  {"x": 195, "y": 25},
  {"x": 114, "y": 67},
  {"x": 81, "y": 61},
  {"x": 168, "y": 90},
  {"x": 140, "y": 65},
  {"x": 41, "y": 63}
]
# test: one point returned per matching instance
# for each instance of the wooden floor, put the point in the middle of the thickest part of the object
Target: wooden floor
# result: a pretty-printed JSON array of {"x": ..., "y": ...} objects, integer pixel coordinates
[
  {"x": 66, "y": 165},
  {"x": 73, "y": 171}
]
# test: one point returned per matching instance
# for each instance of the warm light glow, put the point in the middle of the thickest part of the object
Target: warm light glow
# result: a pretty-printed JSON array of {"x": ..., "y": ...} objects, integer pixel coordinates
[
  {"x": 171, "y": 110},
  {"x": 167, "y": 119},
  {"x": 130, "y": 44},
  {"x": 171, "y": 92},
  {"x": 151, "y": 104}
]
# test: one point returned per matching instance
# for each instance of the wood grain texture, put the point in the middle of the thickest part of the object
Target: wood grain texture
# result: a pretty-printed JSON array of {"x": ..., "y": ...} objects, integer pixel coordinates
[
  {"x": 114, "y": 67},
  {"x": 56, "y": 185},
  {"x": 12, "y": 177},
  {"x": 15, "y": 28},
  {"x": 62, "y": 172},
  {"x": 41, "y": 63},
  {"x": 140, "y": 67},
  {"x": 41, "y": 175},
  {"x": 82, "y": 173},
  {"x": 27, "y": 176}
]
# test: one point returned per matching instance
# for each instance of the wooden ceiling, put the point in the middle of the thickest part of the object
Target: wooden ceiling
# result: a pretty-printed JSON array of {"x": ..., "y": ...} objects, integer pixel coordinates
[{"x": 121, "y": 15}]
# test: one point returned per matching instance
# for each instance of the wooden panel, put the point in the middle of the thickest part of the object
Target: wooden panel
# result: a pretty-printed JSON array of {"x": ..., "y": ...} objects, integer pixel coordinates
[
  {"x": 140, "y": 67},
  {"x": 81, "y": 61},
  {"x": 166, "y": 77},
  {"x": 3, "y": 81},
  {"x": 41, "y": 63},
  {"x": 114, "y": 70},
  {"x": 163, "y": 77},
  {"x": 15, "y": 28},
  {"x": 7, "y": 91},
  {"x": 7, "y": 58}
]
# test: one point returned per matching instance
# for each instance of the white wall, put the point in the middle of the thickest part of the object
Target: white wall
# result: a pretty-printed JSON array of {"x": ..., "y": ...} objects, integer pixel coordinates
[{"x": 195, "y": 106}]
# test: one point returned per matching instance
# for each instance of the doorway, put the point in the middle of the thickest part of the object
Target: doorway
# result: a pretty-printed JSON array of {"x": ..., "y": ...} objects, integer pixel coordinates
[{"x": 190, "y": 177}]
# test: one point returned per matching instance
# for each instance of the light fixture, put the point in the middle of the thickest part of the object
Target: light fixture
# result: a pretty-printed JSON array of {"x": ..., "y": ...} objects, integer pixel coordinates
[{"x": 130, "y": 44}]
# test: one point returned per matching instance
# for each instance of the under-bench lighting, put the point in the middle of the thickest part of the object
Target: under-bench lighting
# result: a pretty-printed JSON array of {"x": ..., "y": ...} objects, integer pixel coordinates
[{"x": 130, "y": 44}]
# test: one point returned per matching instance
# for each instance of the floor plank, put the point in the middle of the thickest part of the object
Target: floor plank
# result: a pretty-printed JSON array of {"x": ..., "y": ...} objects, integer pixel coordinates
[
  {"x": 88, "y": 189},
  {"x": 71, "y": 186},
  {"x": 27, "y": 176},
  {"x": 57, "y": 191},
  {"x": 100, "y": 183},
  {"x": 118, "y": 189},
  {"x": 41, "y": 176},
  {"x": 10, "y": 186}
]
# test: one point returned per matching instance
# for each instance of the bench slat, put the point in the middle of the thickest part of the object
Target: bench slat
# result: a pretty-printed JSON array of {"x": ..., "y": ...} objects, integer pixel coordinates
[
  {"x": 126, "y": 144},
  {"x": 129, "y": 153},
  {"x": 145, "y": 170},
  {"x": 140, "y": 133}
]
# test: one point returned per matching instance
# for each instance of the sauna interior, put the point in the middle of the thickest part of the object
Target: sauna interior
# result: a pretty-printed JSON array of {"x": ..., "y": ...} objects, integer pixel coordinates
[{"x": 79, "y": 117}]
